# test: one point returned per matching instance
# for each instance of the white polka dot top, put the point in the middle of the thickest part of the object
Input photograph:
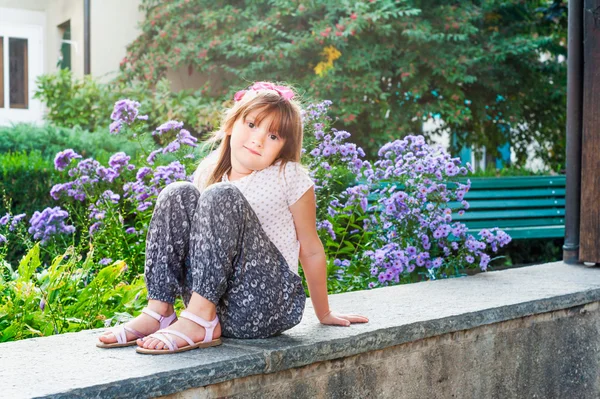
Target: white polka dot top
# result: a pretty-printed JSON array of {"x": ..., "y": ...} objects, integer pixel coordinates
[{"x": 270, "y": 193}]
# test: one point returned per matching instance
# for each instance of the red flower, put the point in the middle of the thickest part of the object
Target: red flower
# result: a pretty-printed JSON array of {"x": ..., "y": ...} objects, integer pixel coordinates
[{"x": 353, "y": 15}]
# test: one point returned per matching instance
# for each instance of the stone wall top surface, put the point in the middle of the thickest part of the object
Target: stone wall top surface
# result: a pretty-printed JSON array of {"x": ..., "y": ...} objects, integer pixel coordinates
[{"x": 69, "y": 365}]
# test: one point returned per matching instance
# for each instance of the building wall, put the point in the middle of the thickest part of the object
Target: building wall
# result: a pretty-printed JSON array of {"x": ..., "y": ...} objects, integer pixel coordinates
[
  {"x": 114, "y": 24},
  {"x": 57, "y": 13}
]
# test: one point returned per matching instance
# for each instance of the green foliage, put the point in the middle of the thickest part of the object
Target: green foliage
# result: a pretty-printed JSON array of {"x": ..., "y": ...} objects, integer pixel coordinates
[
  {"x": 26, "y": 178},
  {"x": 69, "y": 295},
  {"x": 87, "y": 104},
  {"x": 49, "y": 140},
  {"x": 388, "y": 65},
  {"x": 72, "y": 103}
]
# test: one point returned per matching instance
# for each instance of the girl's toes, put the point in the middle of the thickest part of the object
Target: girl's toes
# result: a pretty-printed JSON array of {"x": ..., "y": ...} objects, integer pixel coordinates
[{"x": 107, "y": 338}]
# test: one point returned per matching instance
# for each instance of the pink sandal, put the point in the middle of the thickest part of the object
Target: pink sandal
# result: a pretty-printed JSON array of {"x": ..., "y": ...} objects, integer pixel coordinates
[
  {"x": 163, "y": 336},
  {"x": 121, "y": 335}
]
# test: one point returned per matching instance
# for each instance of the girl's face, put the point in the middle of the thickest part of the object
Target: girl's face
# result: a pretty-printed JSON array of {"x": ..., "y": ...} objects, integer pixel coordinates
[{"x": 252, "y": 146}]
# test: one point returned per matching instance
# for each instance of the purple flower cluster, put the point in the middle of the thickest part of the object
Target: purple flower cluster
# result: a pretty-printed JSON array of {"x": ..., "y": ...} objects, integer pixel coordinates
[
  {"x": 410, "y": 223},
  {"x": 14, "y": 220},
  {"x": 167, "y": 127},
  {"x": 64, "y": 158},
  {"x": 333, "y": 148},
  {"x": 48, "y": 223},
  {"x": 88, "y": 173},
  {"x": 125, "y": 112},
  {"x": 183, "y": 137},
  {"x": 148, "y": 183},
  {"x": 421, "y": 208}
]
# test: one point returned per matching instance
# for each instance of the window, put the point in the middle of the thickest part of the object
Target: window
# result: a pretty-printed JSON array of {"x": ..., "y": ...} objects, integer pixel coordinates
[
  {"x": 64, "y": 62},
  {"x": 1, "y": 72},
  {"x": 18, "y": 73}
]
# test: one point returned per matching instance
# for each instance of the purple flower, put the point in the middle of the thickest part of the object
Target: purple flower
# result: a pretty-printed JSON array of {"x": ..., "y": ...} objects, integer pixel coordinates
[
  {"x": 105, "y": 261},
  {"x": 125, "y": 111},
  {"x": 485, "y": 260},
  {"x": 49, "y": 222},
  {"x": 167, "y": 127},
  {"x": 110, "y": 196},
  {"x": 118, "y": 161},
  {"x": 64, "y": 158},
  {"x": 95, "y": 227},
  {"x": 184, "y": 137},
  {"x": 143, "y": 172},
  {"x": 2, "y": 239},
  {"x": 115, "y": 127},
  {"x": 15, "y": 221},
  {"x": 172, "y": 147},
  {"x": 42, "y": 304},
  {"x": 5, "y": 219},
  {"x": 153, "y": 155},
  {"x": 107, "y": 174},
  {"x": 131, "y": 230}
]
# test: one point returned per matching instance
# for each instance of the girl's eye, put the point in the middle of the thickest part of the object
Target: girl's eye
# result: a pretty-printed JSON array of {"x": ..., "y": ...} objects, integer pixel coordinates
[
  {"x": 273, "y": 137},
  {"x": 251, "y": 125}
]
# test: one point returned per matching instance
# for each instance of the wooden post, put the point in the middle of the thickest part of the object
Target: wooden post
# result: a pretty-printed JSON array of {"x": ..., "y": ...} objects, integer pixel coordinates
[{"x": 589, "y": 232}]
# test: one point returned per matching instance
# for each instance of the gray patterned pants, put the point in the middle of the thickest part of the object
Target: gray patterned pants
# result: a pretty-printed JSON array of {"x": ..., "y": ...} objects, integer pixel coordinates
[{"x": 213, "y": 244}]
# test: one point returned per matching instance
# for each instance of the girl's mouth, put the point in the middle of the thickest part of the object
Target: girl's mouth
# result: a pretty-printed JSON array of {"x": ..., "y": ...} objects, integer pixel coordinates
[{"x": 252, "y": 151}]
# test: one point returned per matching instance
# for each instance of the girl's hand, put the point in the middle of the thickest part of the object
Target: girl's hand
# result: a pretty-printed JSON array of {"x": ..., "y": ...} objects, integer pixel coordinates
[{"x": 339, "y": 319}]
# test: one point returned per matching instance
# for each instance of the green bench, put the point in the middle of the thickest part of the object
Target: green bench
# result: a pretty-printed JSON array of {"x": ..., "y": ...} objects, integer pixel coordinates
[{"x": 524, "y": 207}]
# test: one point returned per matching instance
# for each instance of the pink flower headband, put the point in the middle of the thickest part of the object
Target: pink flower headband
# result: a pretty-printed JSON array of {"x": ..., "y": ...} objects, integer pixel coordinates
[{"x": 283, "y": 91}]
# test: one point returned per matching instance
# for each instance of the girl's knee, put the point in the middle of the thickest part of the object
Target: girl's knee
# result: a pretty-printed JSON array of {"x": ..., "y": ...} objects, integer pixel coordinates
[
  {"x": 181, "y": 189},
  {"x": 219, "y": 192}
]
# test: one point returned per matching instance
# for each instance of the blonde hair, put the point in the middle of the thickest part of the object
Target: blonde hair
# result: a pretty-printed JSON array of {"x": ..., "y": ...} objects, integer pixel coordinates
[{"x": 287, "y": 121}]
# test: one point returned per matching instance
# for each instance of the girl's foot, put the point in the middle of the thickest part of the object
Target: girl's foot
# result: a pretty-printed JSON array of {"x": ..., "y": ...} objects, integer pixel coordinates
[
  {"x": 194, "y": 331},
  {"x": 144, "y": 323}
]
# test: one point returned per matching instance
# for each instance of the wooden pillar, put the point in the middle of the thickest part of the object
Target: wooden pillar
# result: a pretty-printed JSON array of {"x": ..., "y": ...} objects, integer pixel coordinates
[{"x": 589, "y": 250}]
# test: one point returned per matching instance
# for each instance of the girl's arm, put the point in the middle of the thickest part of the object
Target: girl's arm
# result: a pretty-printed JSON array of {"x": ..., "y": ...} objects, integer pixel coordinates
[{"x": 313, "y": 261}]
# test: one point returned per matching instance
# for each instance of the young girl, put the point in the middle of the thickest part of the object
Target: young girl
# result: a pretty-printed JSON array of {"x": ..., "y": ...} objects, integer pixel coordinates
[{"x": 229, "y": 244}]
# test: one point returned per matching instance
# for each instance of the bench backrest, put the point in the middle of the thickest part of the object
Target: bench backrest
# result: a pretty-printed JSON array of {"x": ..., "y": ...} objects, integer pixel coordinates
[{"x": 524, "y": 207}]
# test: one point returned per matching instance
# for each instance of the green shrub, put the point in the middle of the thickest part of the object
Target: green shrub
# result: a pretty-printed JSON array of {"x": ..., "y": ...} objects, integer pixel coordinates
[
  {"x": 26, "y": 179},
  {"x": 85, "y": 103},
  {"x": 88, "y": 104},
  {"x": 49, "y": 140}
]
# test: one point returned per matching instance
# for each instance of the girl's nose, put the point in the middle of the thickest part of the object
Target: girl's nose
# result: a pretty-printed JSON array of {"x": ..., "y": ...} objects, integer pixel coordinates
[{"x": 258, "y": 139}]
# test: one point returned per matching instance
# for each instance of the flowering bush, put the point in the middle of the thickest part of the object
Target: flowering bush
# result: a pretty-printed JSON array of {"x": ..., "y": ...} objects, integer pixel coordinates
[
  {"x": 382, "y": 223},
  {"x": 397, "y": 221}
]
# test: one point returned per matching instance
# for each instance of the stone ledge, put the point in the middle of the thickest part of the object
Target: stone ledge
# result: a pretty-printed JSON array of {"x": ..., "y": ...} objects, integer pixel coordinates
[{"x": 69, "y": 365}]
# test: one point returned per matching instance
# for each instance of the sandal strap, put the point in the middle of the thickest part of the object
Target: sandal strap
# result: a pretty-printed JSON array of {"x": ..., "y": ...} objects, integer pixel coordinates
[
  {"x": 209, "y": 326},
  {"x": 165, "y": 339},
  {"x": 134, "y": 332},
  {"x": 119, "y": 333},
  {"x": 180, "y": 335},
  {"x": 164, "y": 321}
]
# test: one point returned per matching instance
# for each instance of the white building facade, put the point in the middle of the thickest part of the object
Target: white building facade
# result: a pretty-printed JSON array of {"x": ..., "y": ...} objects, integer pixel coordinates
[{"x": 41, "y": 36}]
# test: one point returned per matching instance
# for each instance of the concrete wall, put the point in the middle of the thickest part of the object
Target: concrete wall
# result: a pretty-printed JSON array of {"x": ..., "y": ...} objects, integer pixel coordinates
[{"x": 549, "y": 355}]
